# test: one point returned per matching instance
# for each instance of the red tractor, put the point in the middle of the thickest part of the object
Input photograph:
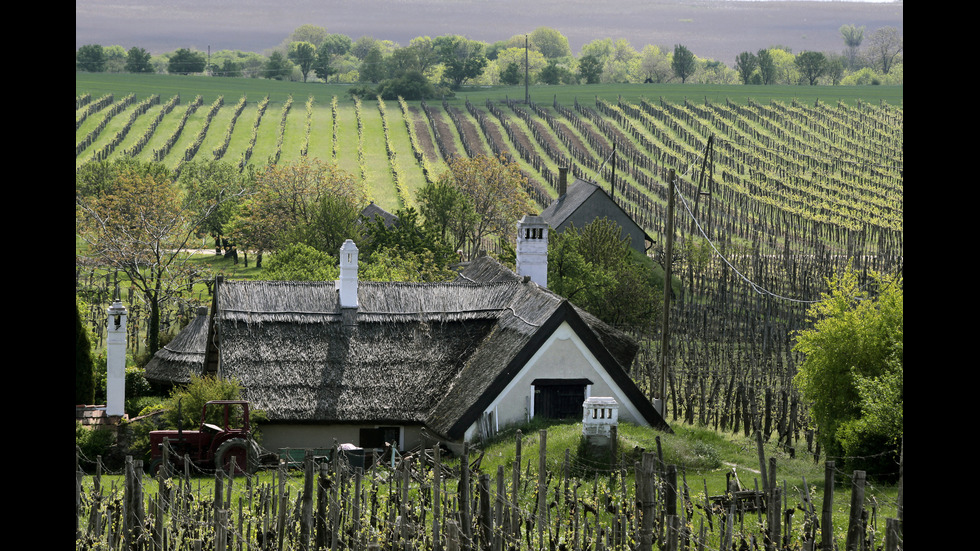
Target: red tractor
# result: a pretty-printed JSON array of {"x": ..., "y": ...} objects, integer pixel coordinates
[{"x": 225, "y": 434}]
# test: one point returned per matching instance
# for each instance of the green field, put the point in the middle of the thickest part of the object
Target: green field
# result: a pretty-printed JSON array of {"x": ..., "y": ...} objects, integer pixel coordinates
[{"x": 98, "y": 84}]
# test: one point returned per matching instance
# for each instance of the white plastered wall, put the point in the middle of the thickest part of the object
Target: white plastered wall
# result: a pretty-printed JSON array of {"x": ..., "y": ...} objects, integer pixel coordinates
[{"x": 563, "y": 356}]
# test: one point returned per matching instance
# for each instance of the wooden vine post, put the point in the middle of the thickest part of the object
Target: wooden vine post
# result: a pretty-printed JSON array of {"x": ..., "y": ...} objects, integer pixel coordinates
[{"x": 665, "y": 329}]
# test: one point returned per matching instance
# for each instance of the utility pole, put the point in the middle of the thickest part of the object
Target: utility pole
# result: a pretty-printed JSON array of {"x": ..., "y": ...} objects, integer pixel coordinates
[
  {"x": 668, "y": 255},
  {"x": 612, "y": 180},
  {"x": 527, "y": 96}
]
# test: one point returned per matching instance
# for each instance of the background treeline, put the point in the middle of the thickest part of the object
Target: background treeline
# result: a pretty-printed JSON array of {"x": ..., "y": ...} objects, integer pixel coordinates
[{"x": 432, "y": 67}]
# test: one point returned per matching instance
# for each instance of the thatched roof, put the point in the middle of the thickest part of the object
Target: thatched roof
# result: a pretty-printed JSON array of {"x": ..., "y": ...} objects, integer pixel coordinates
[
  {"x": 183, "y": 356},
  {"x": 431, "y": 354}
]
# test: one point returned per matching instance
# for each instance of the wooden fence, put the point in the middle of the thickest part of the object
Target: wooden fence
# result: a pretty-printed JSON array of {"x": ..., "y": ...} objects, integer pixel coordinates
[{"x": 426, "y": 502}]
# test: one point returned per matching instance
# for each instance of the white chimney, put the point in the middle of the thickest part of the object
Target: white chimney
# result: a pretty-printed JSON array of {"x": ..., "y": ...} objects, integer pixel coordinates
[
  {"x": 116, "y": 360},
  {"x": 348, "y": 275},
  {"x": 532, "y": 249}
]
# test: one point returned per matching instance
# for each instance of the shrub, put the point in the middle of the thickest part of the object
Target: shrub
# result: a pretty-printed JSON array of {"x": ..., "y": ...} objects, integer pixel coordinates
[
  {"x": 184, "y": 406},
  {"x": 93, "y": 442}
]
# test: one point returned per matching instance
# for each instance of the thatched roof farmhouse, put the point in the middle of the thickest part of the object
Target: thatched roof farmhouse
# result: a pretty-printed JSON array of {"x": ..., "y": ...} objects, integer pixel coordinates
[{"x": 371, "y": 362}]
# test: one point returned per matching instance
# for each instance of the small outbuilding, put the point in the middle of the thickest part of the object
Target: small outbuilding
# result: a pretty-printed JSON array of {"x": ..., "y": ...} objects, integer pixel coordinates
[{"x": 583, "y": 202}]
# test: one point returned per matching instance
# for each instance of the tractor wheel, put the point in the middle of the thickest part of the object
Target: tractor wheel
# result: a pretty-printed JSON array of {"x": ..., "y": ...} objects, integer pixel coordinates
[
  {"x": 246, "y": 458},
  {"x": 154, "y": 467}
]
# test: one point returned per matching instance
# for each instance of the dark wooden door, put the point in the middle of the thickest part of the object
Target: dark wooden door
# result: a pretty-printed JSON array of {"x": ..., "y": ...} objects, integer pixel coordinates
[{"x": 559, "y": 401}]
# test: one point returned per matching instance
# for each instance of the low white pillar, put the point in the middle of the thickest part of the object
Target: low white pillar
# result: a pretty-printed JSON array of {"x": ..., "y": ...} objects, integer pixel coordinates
[{"x": 599, "y": 415}]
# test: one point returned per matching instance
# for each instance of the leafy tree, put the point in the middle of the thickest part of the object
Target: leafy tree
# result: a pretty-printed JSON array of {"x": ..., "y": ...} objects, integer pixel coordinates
[
  {"x": 90, "y": 58},
  {"x": 142, "y": 227},
  {"x": 552, "y": 73},
  {"x": 277, "y": 67},
  {"x": 533, "y": 62},
  {"x": 884, "y": 46},
  {"x": 601, "y": 48},
  {"x": 411, "y": 86},
  {"x": 494, "y": 187},
  {"x": 115, "y": 59},
  {"x": 447, "y": 212},
  {"x": 597, "y": 270},
  {"x": 551, "y": 43},
  {"x": 419, "y": 56},
  {"x": 711, "y": 71},
  {"x": 425, "y": 56},
  {"x": 301, "y": 262},
  {"x": 305, "y": 201},
  {"x": 313, "y": 34},
  {"x": 784, "y": 63},
  {"x": 184, "y": 62},
  {"x": 835, "y": 69},
  {"x": 812, "y": 65},
  {"x": 745, "y": 64},
  {"x": 511, "y": 74},
  {"x": 333, "y": 47},
  {"x": 234, "y": 63},
  {"x": 655, "y": 64},
  {"x": 84, "y": 365},
  {"x": 767, "y": 66},
  {"x": 590, "y": 69},
  {"x": 303, "y": 54},
  {"x": 623, "y": 63},
  {"x": 99, "y": 178},
  {"x": 462, "y": 59},
  {"x": 336, "y": 218},
  {"x": 852, "y": 371},
  {"x": 138, "y": 61},
  {"x": 410, "y": 238},
  {"x": 229, "y": 68},
  {"x": 853, "y": 36},
  {"x": 363, "y": 45},
  {"x": 373, "y": 68},
  {"x": 207, "y": 182},
  {"x": 336, "y": 44},
  {"x": 402, "y": 265},
  {"x": 683, "y": 62}
]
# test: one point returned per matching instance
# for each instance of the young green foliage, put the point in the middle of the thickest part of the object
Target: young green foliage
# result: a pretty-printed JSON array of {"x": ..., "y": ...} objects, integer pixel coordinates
[{"x": 852, "y": 374}]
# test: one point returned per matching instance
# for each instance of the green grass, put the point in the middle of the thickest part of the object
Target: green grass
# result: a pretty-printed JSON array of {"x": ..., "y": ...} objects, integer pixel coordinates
[
  {"x": 120, "y": 84},
  {"x": 704, "y": 459}
]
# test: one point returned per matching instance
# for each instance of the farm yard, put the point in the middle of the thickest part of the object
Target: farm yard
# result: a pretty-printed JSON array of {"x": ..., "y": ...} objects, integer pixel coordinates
[{"x": 776, "y": 191}]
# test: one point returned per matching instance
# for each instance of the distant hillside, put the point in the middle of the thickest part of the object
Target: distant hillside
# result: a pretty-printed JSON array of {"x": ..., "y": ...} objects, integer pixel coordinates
[{"x": 713, "y": 29}]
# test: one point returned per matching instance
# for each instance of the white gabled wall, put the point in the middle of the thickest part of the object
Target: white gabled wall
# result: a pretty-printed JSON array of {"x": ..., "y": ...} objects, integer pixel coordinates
[{"x": 563, "y": 356}]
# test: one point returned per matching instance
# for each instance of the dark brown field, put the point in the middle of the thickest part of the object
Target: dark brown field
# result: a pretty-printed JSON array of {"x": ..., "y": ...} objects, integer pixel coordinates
[{"x": 714, "y": 29}]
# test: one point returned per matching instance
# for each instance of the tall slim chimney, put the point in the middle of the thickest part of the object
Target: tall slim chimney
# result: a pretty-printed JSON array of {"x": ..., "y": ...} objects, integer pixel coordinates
[
  {"x": 562, "y": 180},
  {"x": 348, "y": 275},
  {"x": 116, "y": 360},
  {"x": 532, "y": 249}
]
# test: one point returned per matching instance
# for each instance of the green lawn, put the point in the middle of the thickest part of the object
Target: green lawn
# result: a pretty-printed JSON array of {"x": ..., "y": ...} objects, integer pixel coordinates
[{"x": 120, "y": 84}]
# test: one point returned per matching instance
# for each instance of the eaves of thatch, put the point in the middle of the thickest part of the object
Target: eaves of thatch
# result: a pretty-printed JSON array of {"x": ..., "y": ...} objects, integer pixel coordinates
[{"x": 182, "y": 357}]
